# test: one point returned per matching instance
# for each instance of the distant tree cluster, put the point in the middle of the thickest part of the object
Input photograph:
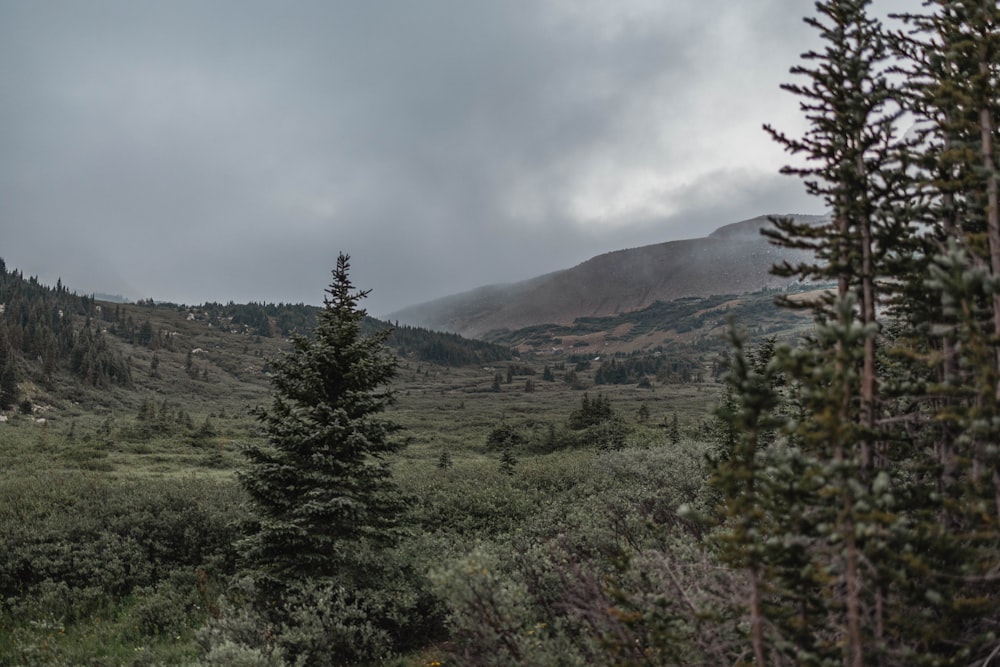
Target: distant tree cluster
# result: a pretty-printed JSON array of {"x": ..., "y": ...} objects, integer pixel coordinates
[
  {"x": 39, "y": 326},
  {"x": 260, "y": 319},
  {"x": 591, "y": 411},
  {"x": 444, "y": 348},
  {"x": 95, "y": 362},
  {"x": 632, "y": 369}
]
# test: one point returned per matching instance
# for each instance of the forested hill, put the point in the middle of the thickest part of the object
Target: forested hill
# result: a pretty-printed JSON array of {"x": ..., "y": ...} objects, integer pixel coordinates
[
  {"x": 51, "y": 329},
  {"x": 55, "y": 341}
]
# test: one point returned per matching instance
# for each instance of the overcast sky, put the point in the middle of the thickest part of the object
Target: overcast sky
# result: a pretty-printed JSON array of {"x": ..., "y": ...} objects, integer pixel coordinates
[{"x": 218, "y": 150}]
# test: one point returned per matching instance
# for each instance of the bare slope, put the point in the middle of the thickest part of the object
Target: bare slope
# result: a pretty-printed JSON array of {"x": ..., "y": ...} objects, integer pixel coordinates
[{"x": 732, "y": 260}]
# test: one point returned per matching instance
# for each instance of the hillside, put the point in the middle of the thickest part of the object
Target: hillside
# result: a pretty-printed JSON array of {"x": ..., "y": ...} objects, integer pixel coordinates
[
  {"x": 734, "y": 259},
  {"x": 60, "y": 349},
  {"x": 57, "y": 346},
  {"x": 689, "y": 323}
]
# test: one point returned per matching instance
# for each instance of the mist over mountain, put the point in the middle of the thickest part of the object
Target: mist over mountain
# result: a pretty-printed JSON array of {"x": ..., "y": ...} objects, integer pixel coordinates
[{"x": 734, "y": 259}]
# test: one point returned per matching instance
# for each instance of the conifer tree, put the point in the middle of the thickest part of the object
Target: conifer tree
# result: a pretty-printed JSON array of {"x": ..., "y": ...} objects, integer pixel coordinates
[
  {"x": 883, "y": 491},
  {"x": 320, "y": 483},
  {"x": 8, "y": 372},
  {"x": 951, "y": 59},
  {"x": 751, "y": 416},
  {"x": 848, "y": 101}
]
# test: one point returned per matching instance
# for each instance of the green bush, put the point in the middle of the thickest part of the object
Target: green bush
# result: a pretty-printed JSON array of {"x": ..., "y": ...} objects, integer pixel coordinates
[
  {"x": 324, "y": 622},
  {"x": 171, "y": 607},
  {"x": 572, "y": 579},
  {"x": 76, "y": 547}
]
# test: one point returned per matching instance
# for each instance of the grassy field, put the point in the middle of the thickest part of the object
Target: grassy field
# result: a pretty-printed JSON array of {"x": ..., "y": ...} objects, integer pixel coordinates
[{"x": 119, "y": 509}]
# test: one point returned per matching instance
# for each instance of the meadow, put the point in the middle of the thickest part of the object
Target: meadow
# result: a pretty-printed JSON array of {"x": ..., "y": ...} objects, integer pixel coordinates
[{"x": 119, "y": 509}]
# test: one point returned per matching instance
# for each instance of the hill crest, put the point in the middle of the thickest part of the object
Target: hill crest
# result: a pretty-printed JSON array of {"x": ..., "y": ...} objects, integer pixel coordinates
[{"x": 733, "y": 259}]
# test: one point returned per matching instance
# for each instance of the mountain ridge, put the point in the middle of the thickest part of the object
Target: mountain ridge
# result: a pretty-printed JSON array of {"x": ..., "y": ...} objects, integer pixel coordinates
[{"x": 733, "y": 259}]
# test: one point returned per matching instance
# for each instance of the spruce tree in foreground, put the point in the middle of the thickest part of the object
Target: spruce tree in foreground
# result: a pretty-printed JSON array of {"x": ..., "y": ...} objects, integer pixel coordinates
[
  {"x": 326, "y": 584},
  {"x": 322, "y": 490}
]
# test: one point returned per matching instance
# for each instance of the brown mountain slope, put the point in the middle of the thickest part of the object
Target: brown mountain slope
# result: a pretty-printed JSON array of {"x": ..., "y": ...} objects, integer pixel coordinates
[{"x": 734, "y": 259}]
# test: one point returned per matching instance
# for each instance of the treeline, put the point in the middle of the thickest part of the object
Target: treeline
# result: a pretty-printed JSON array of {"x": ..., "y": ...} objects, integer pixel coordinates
[
  {"x": 45, "y": 329},
  {"x": 681, "y": 316},
  {"x": 635, "y": 368},
  {"x": 269, "y": 319},
  {"x": 263, "y": 319},
  {"x": 442, "y": 348}
]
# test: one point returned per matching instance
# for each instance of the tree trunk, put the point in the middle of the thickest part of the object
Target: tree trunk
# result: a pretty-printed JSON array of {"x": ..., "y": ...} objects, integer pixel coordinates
[
  {"x": 992, "y": 210},
  {"x": 756, "y": 618},
  {"x": 867, "y": 320}
]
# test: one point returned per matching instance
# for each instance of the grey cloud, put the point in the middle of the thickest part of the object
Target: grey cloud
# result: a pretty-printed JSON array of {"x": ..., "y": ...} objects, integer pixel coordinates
[{"x": 228, "y": 150}]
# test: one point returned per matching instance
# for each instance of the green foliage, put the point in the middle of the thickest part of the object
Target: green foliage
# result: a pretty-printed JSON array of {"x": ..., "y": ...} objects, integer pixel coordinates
[
  {"x": 551, "y": 588},
  {"x": 444, "y": 460},
  {"x": 443, "y": 348},
  {"x": 86, "y": 532},
  {"x": 504, "y": 436},
  {"x": 591, "y": 412},
  {"x": 8, "y": 372},
  {"x": 91, "y": 565},
  {"x": 320, "y": 482},
  {"x": 507, "y": 461},
  {"x": 327, "y": 506}
]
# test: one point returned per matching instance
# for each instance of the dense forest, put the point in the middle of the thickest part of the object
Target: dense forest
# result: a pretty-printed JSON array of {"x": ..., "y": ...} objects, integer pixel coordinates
[{"x": 54, "y": 327}]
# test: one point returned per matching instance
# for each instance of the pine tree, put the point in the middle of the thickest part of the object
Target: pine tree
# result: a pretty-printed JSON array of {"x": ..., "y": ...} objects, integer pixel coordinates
[
  {"x": 674, "y": 430},
  {"x": 444, "y": 461},
  {"x": 882, "y": 488},
  {"x": 320, "y": 484},
  {"x": 8, "y": 372},
  {"x": 508, "y": 461},
  {"x": 751, "y": 417},
  {"x": 951, "y": 61},
  {"x": 849, "y": 164}
]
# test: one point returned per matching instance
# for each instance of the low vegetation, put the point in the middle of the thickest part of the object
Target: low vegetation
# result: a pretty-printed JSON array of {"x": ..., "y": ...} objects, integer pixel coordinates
[{"x": 121, "y": 516}]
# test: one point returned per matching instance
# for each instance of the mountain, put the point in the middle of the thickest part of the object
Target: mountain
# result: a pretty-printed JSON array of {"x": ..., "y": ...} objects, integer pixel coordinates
[{"x": 734, "y": 259}]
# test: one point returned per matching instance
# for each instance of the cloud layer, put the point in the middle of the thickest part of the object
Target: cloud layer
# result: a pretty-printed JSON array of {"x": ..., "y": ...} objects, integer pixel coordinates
[{"x": 194, "y": 151}]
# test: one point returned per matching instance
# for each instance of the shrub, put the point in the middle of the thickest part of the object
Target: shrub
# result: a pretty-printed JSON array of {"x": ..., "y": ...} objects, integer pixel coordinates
[{"x": 85, "y": 532}]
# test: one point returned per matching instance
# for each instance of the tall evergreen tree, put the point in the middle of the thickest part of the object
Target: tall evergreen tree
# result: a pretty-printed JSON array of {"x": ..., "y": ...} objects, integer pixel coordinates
[
  {"x": 951, "y": 59},
  {"x": 847, "y": 99},
  {"x": 320, "y": 483},
  {"x": 882, "y": 491},
  {"x": 750, "y": 415},
  {"x": 861, "y": 574}
]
